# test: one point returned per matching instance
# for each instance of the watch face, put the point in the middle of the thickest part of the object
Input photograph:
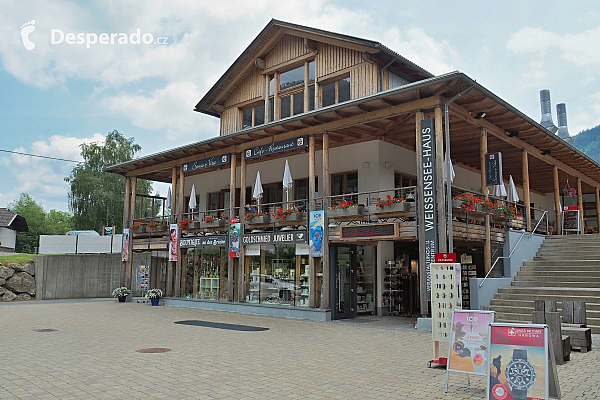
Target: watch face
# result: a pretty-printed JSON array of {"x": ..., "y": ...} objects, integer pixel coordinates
[{"x": 520, "y": 374}]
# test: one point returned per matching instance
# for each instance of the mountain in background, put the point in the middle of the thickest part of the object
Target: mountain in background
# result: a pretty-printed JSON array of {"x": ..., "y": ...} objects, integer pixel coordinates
[{"x": 588, "y": 141}]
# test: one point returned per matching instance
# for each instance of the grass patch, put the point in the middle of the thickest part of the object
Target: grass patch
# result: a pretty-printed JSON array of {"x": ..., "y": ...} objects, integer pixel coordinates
[{"x": 16, "y": 258}]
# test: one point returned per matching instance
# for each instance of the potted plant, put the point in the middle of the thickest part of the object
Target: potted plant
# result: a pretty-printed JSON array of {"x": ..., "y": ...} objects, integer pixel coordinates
[
  {"x": 389, "y": 204},
  {"x": 154, "y": 295},
  {"x": 289, "y": 214},
  {"x": 345, "y": 208},
  {"x": 257, "y": 217},
  {"x": 183, "y": 224},
  {"x": 137, "y": 227},
  {"x": 211, "y": 221},
  {"x": 121, "y": 293},
  {"x": 159, "y": 226}
]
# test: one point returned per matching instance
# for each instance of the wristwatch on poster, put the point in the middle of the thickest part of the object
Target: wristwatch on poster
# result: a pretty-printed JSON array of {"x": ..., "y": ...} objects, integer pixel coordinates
[{"x": 520, "y": 374}]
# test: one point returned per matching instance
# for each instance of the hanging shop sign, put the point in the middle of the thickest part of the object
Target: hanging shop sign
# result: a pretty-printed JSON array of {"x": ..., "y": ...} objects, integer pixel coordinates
[
  {"x": 448, "y": 258},
  {"x": 316, "y": 222},
  {"x": 570, "y": 219},
  {"x": 302, "y": 249},
  {"x": 277, "y": 147},
  {"x": 468, "y": 351},
  {"x": 234, "y": 237},
  {"x": 203, "y": 241},
  {"x": 388, "y": 230},
  {"x": 522, "y": 363},
  {"x": 427, "y": 194},
  {"x": 493, "y": 169},
  {"x": 252, "y": 250},
  {"x": 210, "y": 162},
  {"x": 173, "y": 236},
  {"x": 142, "y": 276},
  {"x": 288, "y": 237}
]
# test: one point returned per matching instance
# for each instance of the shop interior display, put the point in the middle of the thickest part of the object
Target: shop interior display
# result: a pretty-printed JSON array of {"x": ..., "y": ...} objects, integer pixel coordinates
[
  {"x": 365, "y": 287},
  {"x": 206, "y": 274},
  {"x": 468, "y": 270}
]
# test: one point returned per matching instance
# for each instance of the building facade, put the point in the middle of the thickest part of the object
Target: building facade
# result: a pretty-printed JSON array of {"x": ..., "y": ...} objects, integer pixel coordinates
[{"x": 365, "y": 134}]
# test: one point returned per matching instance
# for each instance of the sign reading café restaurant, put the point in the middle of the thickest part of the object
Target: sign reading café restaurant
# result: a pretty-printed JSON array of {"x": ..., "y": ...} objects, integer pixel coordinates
[
  {"x": 275, "y": 237},
  {"x": 210, "y": 162},
  {"x": 276, "y": 147}
]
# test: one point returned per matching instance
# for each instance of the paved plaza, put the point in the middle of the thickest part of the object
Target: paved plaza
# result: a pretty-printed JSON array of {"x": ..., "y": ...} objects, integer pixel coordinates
[{"x": 92, "y": 355}]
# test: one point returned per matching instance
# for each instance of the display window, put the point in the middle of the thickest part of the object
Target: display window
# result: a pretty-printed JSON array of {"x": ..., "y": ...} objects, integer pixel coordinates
[
  {"x": 205, "y": 274},
  {"x": 278, "y": 276}
]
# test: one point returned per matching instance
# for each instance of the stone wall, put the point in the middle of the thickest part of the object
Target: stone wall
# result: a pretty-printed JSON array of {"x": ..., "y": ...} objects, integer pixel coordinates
[{"x": 17, "y": 282}]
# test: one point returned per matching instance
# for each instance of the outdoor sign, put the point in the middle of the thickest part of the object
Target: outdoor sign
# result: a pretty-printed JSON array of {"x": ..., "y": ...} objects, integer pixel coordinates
[
  {"x": 468, "y": 350},
  {"x": 445, "y": 298},
  {"x": 210, "y": 162},
  {"x": 447, "y": 258},
  {"x": 302, "y": 249},
  {"x": 316, "y": 233},
  {"x": 125, "y": 245},
  {"x": 173, "y": 236},
  {"x": 388, "y": 230},
  {"x": 521, "y": 364},
  {"x": 252, "y": 250},
  {"x": 108, "y": 230},
  {"x": 234, "y": 237},
  {"x": 277, "y": 147},
  {"x": 143, "y": 278},
  {"x": 427, "y": 196},
  {"x": 570, "y": 219},
  {"x": 203, "y": 241},
  {"x": 493, "y": 169},
  {"x": 275, "y": 238}
]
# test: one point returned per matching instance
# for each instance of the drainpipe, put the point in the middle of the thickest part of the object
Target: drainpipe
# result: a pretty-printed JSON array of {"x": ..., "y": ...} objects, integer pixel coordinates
[
  {"x": 447, "y": 172},
  {"x": 383, "y": 70}
]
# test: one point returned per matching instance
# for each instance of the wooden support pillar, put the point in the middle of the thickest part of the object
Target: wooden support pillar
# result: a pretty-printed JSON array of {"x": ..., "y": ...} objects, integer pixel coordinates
[
  {"x": 240, "y": 271},
  {"x": 526, "y": 194},
  {"x": 312, "y": 281},
  {"x": 598, "y": 207},
  {"x": 557, "y": 200},
  {"x": 180, "y": 253},
  {"x": 580, "y": 204},
  {"x": 126, "y": 223},
  {"x": 174, "y": 217},
  {"x": 423, "y": 278},
  {"x": 129, "y": 272},
  {"x": 440, "y": 188},
  {"x": 231, "y": 260},
  {"x": 487, "y": 245},
  {"x": 326, "y": 273}
]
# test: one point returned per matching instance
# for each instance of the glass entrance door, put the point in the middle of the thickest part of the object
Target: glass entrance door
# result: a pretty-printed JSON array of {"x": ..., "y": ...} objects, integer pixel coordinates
[{"x": 344, "y": 282}]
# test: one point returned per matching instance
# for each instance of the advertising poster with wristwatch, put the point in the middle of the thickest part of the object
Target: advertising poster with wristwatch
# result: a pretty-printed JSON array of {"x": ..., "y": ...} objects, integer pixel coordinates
[
  {"x": 518, "y": 362},
  {"x": 468, "y": 350}
]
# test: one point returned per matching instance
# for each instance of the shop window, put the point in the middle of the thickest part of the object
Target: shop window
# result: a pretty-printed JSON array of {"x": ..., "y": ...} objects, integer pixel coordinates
[
  {"x": 278, "y": 276},
  {"x": 205, "y": 274},
  {"x": 402, "y": 180},
  {"x": 335, "y": 92},
  {"x": 253, "y": 116},
  {"x": 343, "y": 185}
]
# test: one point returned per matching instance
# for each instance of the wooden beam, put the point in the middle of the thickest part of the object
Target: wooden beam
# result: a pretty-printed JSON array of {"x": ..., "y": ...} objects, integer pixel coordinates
[
  {"x": 242, "y": 260},
  {"x": 325, "y": 302},
  {"x": 126, "y": 224},
  {"x": 518, "y": 143},
  {"x": 312, "y": 261},
  {"x": 439, "y": 181},
  {"x": 580, "y": 204},
  {"x": 487, "y": 245},
  {"x": 128, "y": 277},
  {"x": 597, "y": 191},
  {"x": 556, "y": 200},
  {"x": 526, "y": 194},
  {"x": 260, "y": 63},
  {"x": 310, "y": 44},
  {"x": 230, "y": 263}
]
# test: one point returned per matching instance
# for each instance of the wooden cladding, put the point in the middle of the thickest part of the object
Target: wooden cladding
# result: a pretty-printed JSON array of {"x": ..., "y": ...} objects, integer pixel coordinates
[
  {"x": 251, "y": 88},
  {"x": 289, "y": 47},
  {"x": 363, "y": 80},
  {"x": 331, "y": 59}
]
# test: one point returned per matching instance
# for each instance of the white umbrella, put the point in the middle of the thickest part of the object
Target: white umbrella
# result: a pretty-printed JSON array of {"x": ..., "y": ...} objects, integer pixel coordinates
[
  {"x": 258, "y": 190},
  {"x": 512, "y": 196},
  {"x": 287, "y": 180},
  {"x": 499, "y": 190},
  {"x": 452, "y": 174},
  {"x": 168, "y": 202},
  {"x": 192, "y": 204}
]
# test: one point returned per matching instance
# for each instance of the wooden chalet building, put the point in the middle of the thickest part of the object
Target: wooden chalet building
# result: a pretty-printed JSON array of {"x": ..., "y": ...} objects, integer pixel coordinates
[{"x": 348, "y": 116}]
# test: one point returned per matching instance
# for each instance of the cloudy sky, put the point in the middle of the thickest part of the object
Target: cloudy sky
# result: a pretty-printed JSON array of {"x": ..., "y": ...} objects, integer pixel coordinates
[{"x": 56, "y": 96}]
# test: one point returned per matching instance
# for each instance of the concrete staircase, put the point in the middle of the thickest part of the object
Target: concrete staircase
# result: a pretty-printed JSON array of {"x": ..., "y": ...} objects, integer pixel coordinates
[{"x": 564, "y": 268}]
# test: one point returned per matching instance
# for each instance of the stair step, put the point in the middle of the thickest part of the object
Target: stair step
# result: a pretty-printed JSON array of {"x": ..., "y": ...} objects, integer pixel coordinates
[
  {"x": 530, "y": 304},
  {"x": 528, "y": 310},
  {"x": 556, "y": 272},
  {"x": 546, "y": 283},
  {"x": 563, "y": 263}
]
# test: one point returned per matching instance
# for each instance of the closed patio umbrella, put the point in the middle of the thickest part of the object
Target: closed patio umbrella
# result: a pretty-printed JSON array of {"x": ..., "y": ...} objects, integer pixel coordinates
[
  {"x": 168, "y": 202},
  {"x": 258, "y": 189},
  {"x": 192, "y": 203},
  {"x": 287, "y": 181},
  {"x": 499, "y": 190},
  {"x": 452, "y": 174},
  {"x": 512, "y": 196}
]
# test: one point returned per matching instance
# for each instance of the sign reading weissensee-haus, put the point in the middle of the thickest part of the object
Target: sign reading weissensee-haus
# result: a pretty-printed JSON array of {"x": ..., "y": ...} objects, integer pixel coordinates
[
  {"x": 204, "y": 241},
  {"x": 427, "y": 191},
  {"x": 277, "y": 147},
  {"x": 210, "y": 162},
  {"x": 275, "y": 238}
]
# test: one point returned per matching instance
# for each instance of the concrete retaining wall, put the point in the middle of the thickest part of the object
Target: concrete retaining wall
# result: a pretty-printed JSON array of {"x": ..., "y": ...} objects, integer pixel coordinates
[{"x": 75, "y": 276}]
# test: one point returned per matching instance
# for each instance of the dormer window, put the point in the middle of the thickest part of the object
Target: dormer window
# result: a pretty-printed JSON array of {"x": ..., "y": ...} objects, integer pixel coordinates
[
  {"x": 253, "y": 116},
  {"x": 291, "y": 89},
  {"x": 335, "y": 91}
]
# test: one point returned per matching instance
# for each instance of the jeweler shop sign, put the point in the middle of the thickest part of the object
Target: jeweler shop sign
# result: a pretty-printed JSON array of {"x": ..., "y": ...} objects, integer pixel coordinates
[{"x": 521, "y": 363}]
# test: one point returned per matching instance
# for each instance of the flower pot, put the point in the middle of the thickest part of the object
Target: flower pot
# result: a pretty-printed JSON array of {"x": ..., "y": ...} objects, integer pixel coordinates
[
  {"x": 345, "y": 212},
  {"x": 392, "y": 208},
  {"x": 141, "y": 229},
  {"x": 217, "y": 223},
  {"x": 259, "y": 220},
  {"x": 293, "y": 217},
  {"x": 154, "y": 302},
  {"x": 193, "y": 225},
  {"x": 122, "y": 299}
]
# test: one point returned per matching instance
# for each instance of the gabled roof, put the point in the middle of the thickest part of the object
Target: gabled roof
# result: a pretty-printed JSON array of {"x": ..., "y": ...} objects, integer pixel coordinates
[
  {"x": 271, "y": 35},
  {"x": 12, "y": 221}
]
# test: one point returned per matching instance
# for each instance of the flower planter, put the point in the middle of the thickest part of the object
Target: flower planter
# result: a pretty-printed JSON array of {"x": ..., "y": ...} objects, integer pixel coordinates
[
  {"x": 122, "y": 299},
  {"x": 392, "y": 208},
  {"x": 141, "y": 229},
  {"x": 217, "y": 223},
  {"x": 345, "y": 212},
  {"x": 293, "y": 217},
  {"x": 259, "y": 220},
  {"x": 154, "y": 302},
  {"x": 193, "y": 225}
]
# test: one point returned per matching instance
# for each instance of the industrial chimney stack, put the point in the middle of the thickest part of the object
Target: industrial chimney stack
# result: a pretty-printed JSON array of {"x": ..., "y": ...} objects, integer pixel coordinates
[
  {"x": 547, "y": 111},
  {"x": 563, "y": 131}
]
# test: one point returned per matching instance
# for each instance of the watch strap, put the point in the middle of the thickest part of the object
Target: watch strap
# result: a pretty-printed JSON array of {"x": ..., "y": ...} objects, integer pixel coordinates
[
  {"x": 519, "y": 394},
  {"x": 519, "y": 354}
]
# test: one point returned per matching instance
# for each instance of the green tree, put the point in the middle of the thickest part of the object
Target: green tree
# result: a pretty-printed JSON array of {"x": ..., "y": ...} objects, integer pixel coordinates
[
  {"x": 38, "y": 221},
  {"x": 96, "y": 198}
]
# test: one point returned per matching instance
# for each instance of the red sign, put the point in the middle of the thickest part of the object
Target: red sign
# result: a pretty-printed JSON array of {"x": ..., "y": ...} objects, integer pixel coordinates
[
  {"x": 234, "y": 254},
  {"x": 570, "y": 208},
  {"x": 234, "y": 220},
  {"x": 445, "y": 258}
]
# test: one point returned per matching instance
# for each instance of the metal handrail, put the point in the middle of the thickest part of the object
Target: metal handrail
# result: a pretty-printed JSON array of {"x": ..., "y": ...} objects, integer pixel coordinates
[{"x": 514, "y": 248}]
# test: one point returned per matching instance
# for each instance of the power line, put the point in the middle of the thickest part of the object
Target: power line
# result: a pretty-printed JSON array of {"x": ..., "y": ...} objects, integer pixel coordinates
[{"x": 37, "y": 155}]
